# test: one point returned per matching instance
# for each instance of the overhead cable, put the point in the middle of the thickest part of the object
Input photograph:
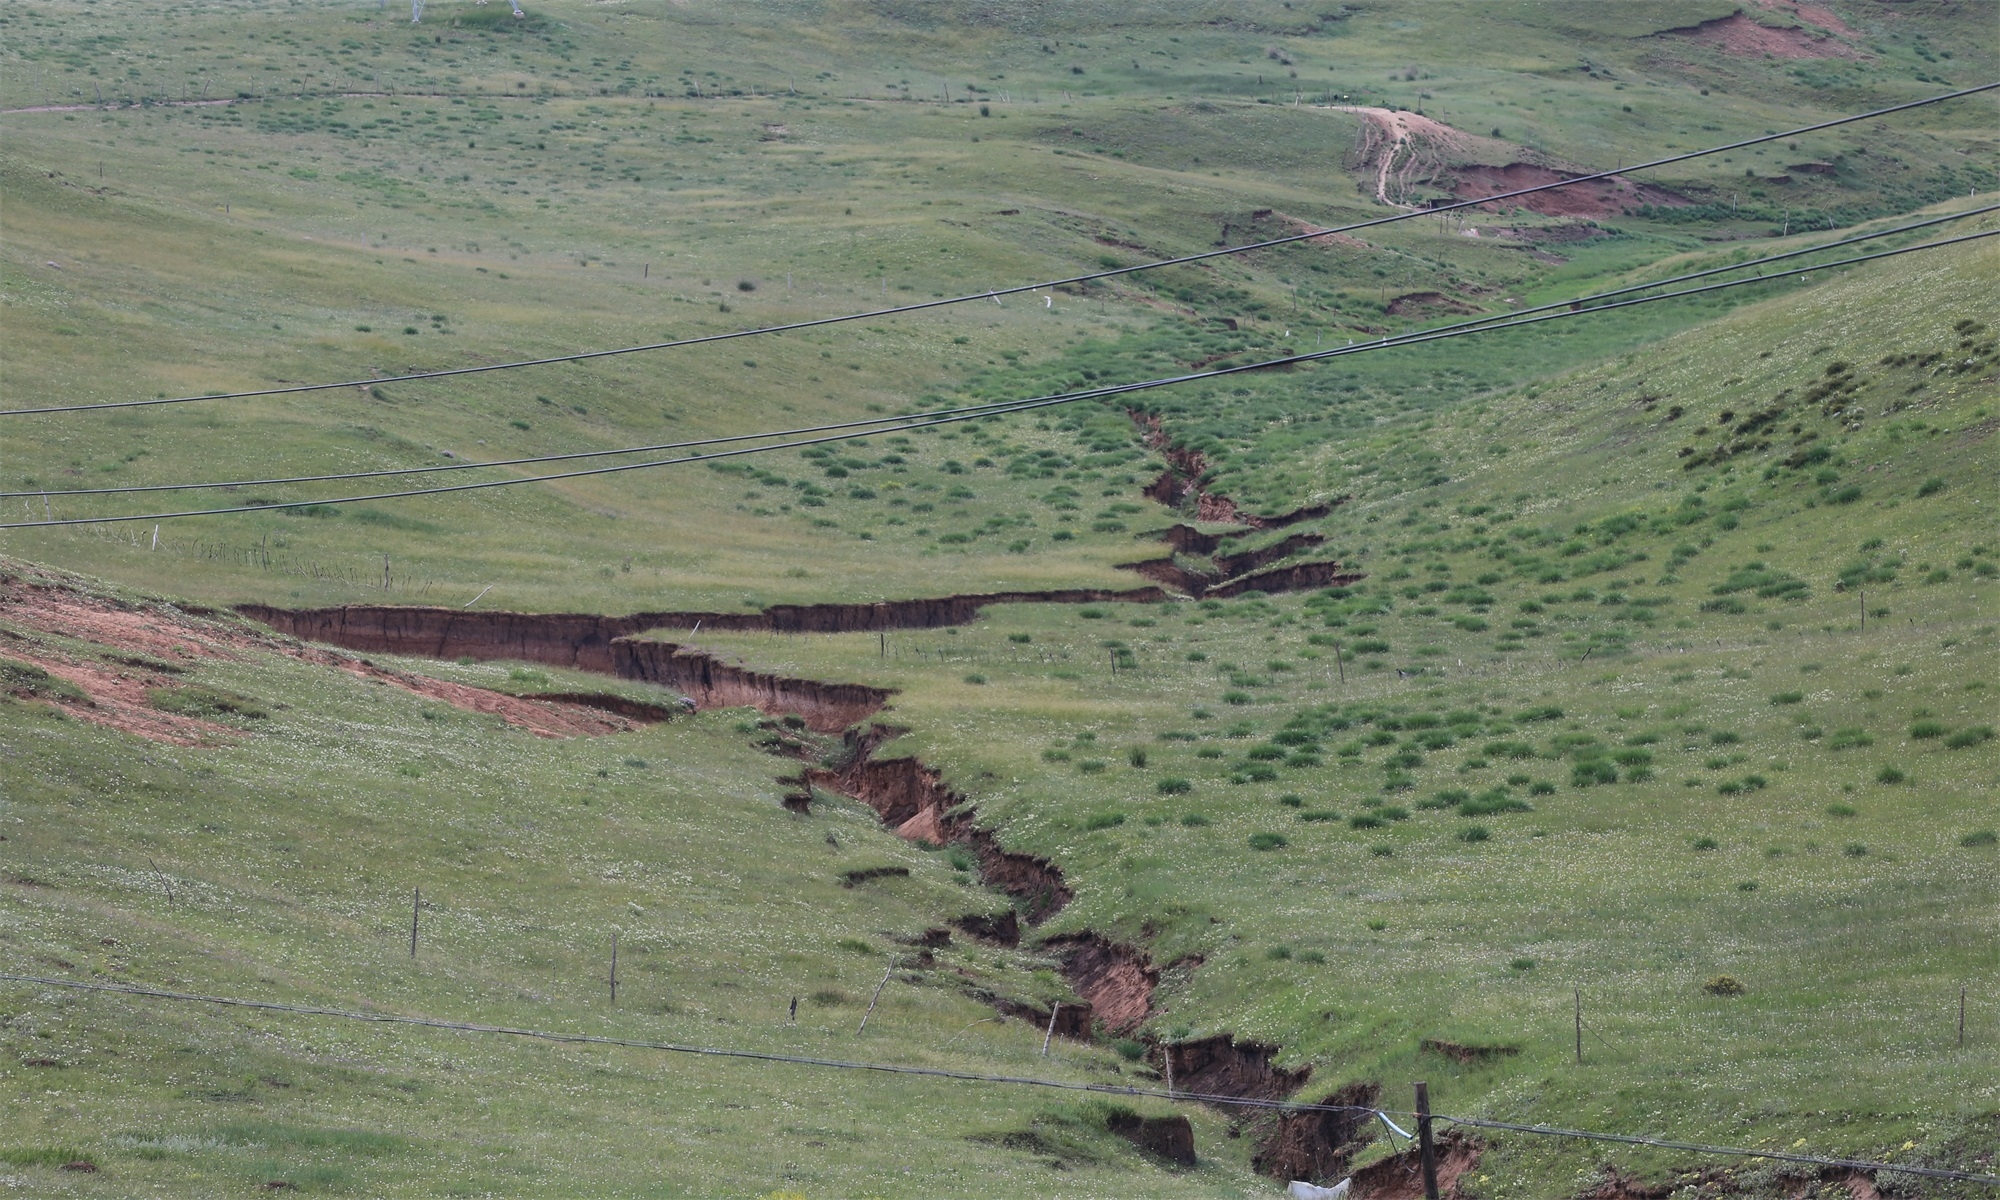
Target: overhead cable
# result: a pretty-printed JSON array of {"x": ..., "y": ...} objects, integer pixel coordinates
[
  {"x": 992, "y": 293},
  {"x": 1004, "y": 408},
  {"x": 1856, "y": 1164},
  {"x": 1174, "y": 1094},
  {"x": 869, "y": 423}
]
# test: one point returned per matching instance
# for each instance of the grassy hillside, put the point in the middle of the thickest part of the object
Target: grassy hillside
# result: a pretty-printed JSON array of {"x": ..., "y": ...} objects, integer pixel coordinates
[
  {"x": 1607, "y": 722},
  {"x": 1670, "y": 658}
]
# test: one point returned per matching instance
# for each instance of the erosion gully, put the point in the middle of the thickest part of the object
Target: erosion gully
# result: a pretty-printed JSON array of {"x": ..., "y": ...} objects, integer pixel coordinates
[{"x": 1117, "y": 980}]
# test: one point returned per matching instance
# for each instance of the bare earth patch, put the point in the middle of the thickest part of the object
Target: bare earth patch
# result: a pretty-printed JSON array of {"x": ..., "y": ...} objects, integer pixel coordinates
[
  {"x": 148, "y": 646},
  {"x": 1739, "y": 35},
  {"x": 1598, "y": 198}
]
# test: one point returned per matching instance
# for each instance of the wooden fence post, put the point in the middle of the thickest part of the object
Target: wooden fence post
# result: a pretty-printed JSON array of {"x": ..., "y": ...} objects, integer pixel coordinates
[
  {"x": 1425, "y": 1150},
  {"x": 877, "y": 996}
]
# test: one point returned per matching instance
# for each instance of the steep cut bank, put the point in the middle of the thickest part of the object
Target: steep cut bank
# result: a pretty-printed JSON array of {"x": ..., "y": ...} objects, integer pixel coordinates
[
  {"x": 1116, "y": 981},
  {"x": 135, "y": 666},
  {"x": 583, "y": 640},
  {"x": 1181, "y": 481},
  {"x": 912, "y": 800},
  {"x": 712, "y": 683},
  {"x": 604, "y": 645},
  {"x": 1319, "y": 1145}
]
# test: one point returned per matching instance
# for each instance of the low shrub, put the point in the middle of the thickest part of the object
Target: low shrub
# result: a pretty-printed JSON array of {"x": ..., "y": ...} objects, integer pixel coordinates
[
  {"x": 1474, "y": 834},
  {"x": 1268, "y": 841},
  {"x": 1493, "y": 803}
]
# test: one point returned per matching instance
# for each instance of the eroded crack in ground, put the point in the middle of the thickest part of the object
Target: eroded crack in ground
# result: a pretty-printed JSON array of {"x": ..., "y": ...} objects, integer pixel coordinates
[{"x": 1116, "y": 981}]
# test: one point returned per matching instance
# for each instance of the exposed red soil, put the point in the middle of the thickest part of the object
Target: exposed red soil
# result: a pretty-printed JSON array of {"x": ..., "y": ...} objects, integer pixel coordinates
[
  {"x": 116, "y": 689},
  {"x": 1186, "y": 539},
  {"x": 1171, "y": 1138},
  {"x": 624, "y": 706},
  {"x": 1290, "y": 579},
  {"x": 712, "y": 683},
  {"x": 1071, "y": 1020},
  {"x": 1823, "y": 17},
  {"x": 1599, "y": 198},
  {"x": 1738, "y": 34},
  {"x": 541, "y": 716},
  {"x": 575, "y": 640},
  {"x": 1318, "y": 1147},
  {"x": 1401, "y": 1176},
  {"x": 1222, "y": 1066},
  {"x": 1000, "y": 929},
  {"x": 1117, "y": 980},
  {"x": 912, "y": 799},
  {"x": 1399, "y": 148},
  {"x": 117, "y": 698},
  {"x": 1426, "y": 304},
  {"x": 583, "y": 640},
  {"x": 160, "y": 630},
  {"x": 1182, "y": 480},
  {"x": 1199, "y": 583}
]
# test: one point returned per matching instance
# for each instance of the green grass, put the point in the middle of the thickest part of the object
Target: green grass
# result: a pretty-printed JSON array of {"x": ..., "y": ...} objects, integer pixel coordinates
[{"x": 1616, "y": 570}]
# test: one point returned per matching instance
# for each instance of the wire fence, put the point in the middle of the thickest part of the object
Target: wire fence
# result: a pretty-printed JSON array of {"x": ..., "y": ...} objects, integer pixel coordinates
[{"x": 909, "y": 1069}]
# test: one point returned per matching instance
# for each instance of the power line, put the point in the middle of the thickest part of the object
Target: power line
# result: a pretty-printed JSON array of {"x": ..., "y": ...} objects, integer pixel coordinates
[
  {"x": 992, "y": 293},
  {"x": 1010, "y": 407},
  {"x": 1733, "y": 1151},
  {"x": 381, "y": 1018},
  {"x": 899, "y": 420}
]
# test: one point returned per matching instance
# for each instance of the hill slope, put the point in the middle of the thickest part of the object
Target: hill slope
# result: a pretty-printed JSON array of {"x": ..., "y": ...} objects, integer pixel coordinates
[{"x": 1297, "y": 735}]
